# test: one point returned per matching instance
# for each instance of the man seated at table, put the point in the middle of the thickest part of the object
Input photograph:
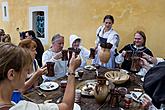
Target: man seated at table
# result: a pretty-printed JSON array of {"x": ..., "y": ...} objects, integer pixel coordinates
[
  {"x": 53, "y": 54},
  {"x": 15, "y": 63}
]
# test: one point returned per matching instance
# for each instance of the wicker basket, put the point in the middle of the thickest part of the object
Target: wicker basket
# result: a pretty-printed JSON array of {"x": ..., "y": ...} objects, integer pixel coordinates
[{"x": 117, "y": 77}]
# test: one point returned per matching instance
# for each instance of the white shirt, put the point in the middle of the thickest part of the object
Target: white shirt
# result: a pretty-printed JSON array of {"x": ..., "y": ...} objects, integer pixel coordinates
[
  {"x": 60, "y": 67},
  {"x": 113, "y": 38},
  {"x": 26, "y": 105}
]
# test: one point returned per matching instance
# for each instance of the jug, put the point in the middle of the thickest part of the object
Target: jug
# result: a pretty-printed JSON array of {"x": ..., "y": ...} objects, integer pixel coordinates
[
  {"x": 104, "y": 53},
  {"x": 101, "y": 90}
]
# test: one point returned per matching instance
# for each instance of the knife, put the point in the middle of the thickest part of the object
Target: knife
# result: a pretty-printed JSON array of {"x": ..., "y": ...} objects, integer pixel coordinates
[{"x": 140, "y": 95}]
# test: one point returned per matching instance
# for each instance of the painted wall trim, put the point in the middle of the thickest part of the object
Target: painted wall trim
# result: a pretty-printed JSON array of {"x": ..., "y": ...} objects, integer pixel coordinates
[{"x": 45, "y": 10}]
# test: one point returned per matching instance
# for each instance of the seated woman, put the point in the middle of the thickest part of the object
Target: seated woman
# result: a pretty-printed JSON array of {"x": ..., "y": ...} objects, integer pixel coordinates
[
  {"x": 36, "y": 72},
  {"x": 15, "y": 64},
  {"x": 137, "y": 46},
  {"x": 75, "y": 42},
  {"x": 34, "y": 75}
]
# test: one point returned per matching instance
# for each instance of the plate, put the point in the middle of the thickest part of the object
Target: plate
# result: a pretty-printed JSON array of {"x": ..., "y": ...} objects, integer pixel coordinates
[
  {"x": 87, "y": 87},
  {"x": 139, "y": 96},
  {"x": 48, "y": 86},
  {"x": 76, "y": 74},
  {"x": 90, "y": 67},
  {"x": 117, "y": 77},
  {"x": 76, "y": 107}
]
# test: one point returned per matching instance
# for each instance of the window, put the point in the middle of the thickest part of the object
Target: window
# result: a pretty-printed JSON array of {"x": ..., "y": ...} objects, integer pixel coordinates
[
  {"x": 5, "y": 14},
  {"x": 38, "y": 21}
]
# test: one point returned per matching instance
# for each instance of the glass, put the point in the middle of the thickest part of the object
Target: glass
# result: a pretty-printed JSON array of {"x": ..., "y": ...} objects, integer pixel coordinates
[
  {"x": 78, "y": 96},
  {"x": 50, "y": 68},
  {"x": 80, "y": 73},
  {"x": 63, "y": 85},
  {"x": 64, "y": 55},
  {"x": 135, "y": 66},
  {"x": 71, "y": 50},
  {"x": 122, "y": 91},
  {"x": 138, "y": 54},
  {"x": 92, "y": 53},
  {"x": 128, "y": 55},
  {"x": 127, "y": 101},
  {"x": 97, "y": 66}
]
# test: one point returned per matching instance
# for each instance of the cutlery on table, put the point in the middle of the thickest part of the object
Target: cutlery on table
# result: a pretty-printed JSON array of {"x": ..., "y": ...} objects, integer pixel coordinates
[{"x": 40, "y": 93}]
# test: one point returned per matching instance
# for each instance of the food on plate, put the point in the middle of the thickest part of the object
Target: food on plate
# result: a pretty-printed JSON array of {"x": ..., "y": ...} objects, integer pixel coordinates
[{"x": 88, "y": 88}]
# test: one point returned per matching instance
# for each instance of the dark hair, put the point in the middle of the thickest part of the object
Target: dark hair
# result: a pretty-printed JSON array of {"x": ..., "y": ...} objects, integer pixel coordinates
[
  {"x": 143, "y": 35},
  {"x": 55, "y": 37},
  {"x": 22, "y": 35},
  {"x": 13, "y": 57},
  {"x": 6, "y": 38},
  {"x": 31, "y": 33},
  {"x": 109, "y": 17},
  {"x": 2, "y": 32}
]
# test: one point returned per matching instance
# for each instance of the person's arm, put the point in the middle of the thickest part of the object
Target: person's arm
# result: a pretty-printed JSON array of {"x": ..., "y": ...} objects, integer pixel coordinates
[
  {"x": 68, "y": 100},
  {"x": 145, "y": 64},
  {"x": 33, "y": 79},
  {"x": 48, "y": 56},
  {"x": 150, "y": 58},
  {"x": 120, "y": 58}
]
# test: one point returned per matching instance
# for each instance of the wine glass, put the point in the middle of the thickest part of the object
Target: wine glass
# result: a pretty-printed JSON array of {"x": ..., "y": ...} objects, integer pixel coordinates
[{"x": 80, "y": 73}]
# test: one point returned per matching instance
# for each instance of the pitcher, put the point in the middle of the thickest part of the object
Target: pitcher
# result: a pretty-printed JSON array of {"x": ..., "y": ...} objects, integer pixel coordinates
[
  {"x": 101, "y": 89},
  {"x": 104, "y": 53}
]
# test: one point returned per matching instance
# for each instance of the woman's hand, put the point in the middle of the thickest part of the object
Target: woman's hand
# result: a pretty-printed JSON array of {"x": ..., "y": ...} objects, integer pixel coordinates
[
  {"x": 144, "y": 63},
  {"x": 123, "y": 53},
  {"x": 41, "y": 71}
]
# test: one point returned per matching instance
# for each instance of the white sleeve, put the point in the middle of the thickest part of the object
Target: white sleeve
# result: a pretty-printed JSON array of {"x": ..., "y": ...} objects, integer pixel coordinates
[
  {"x": 119, "y": 59},
  {"x": 86, "y": 52},
  {"x": 159, "y": 60},
  {"x": 115, "y": 41},
  {"x": 26, "y": 105},
  {"x": 47, "y": 57}
]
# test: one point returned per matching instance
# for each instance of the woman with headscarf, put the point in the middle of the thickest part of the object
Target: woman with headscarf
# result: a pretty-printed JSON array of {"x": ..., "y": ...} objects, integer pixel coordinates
[{"x": 76, "y": 42}]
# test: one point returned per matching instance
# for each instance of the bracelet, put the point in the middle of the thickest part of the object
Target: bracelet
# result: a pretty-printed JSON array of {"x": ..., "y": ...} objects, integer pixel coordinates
[{"x": 71, "y": 74}]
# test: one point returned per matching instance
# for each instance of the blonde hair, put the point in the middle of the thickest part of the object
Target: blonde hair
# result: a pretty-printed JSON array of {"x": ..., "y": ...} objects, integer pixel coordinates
[{"x": 13, "y": 57}]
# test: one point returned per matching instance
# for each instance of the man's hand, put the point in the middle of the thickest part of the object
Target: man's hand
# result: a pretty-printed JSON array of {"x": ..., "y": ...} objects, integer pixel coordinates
[{"x": 58, "y": 56}]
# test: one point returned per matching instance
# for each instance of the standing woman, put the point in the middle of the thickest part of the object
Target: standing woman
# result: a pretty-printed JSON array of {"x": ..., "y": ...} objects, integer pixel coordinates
[{"x": 105, "y": 34}]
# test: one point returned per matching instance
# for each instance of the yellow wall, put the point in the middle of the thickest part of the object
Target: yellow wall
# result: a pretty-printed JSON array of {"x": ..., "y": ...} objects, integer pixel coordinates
[{"x": 82, "y": 17}]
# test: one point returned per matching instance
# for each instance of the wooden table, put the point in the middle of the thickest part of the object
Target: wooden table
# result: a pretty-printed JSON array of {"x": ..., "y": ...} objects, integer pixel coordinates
[{"x": 87, "y": 103}]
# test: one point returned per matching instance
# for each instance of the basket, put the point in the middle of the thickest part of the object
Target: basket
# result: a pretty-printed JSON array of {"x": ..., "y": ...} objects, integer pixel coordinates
[{"x": 117, "y": 77}]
